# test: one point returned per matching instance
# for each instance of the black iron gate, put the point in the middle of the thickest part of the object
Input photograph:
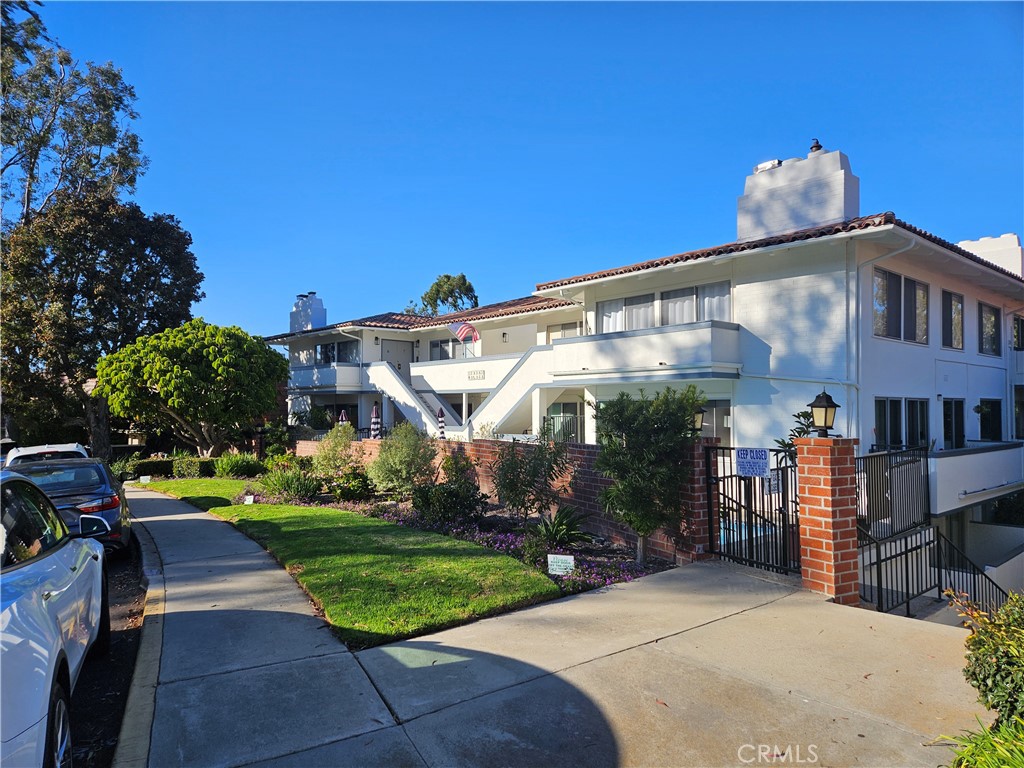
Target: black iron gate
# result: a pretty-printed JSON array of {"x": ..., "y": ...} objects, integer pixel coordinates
[{"x": 753, "y": 519}]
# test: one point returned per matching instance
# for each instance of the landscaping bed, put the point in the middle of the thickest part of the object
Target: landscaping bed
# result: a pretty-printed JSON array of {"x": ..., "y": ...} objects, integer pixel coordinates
[{"x": 380, "y": 571}]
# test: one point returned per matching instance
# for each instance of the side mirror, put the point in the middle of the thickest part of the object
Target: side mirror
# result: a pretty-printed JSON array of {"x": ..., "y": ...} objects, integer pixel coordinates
[
  {"x": 125, "y": 476},
  {"x": 92, "y": 526}
]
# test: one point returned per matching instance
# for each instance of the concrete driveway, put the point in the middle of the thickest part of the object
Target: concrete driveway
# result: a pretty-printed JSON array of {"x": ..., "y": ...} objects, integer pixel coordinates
[{"x": 705, "y": 665}]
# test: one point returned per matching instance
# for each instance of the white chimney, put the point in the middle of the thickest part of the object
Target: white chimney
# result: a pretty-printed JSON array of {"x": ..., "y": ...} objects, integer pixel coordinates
[
  {"x": 785, "y": 196},
  {"x": 307, "y": 313},
  {"x": 1003, "y": 251}
]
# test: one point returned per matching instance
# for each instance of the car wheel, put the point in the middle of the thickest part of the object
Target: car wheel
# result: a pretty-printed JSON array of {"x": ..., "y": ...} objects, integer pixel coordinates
[
  {"x": 58, "y": 729},
  {"x": 101, "y": 645}
]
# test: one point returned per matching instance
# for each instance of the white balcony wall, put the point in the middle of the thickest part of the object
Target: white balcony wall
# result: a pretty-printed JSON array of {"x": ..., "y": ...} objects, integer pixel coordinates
[
  {"x": 511, "y": 339},
  {"x": 960, "y": 478},
  {"x": 335, "y": 376},
  {"x": 695, "y": 345},
  {"x": 478, "y": 374}
]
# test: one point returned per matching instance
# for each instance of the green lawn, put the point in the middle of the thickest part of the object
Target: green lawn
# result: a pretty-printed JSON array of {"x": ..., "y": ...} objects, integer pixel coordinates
[
  {"x": 377, "y": 582},
  {"x": 203, "y": 492}
]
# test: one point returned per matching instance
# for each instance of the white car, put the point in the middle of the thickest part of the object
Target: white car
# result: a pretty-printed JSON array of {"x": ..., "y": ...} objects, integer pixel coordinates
[
  {"x": 54, "y": 610},
  {"x": 46, "y": 452}
]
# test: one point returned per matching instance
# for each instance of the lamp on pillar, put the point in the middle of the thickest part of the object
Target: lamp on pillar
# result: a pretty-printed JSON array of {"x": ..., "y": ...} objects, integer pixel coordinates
[
  {"x": 823, "y": 413},
  {"x": 698, "y": 420}
]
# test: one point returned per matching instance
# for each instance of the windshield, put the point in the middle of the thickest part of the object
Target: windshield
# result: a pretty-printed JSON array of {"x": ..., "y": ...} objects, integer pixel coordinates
[
  {"x": 45, "y": 456},
  {"x": 52, "y": 479}
]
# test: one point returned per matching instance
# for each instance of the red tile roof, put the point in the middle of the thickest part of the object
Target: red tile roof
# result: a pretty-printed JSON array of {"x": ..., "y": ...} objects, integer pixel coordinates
[
  {"x": 852, "y": 225},
  {"x": 405, "y": 322}
]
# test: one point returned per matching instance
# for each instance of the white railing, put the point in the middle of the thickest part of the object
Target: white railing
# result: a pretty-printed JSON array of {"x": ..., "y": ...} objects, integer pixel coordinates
[
  {"x": 326, "y": 376},
  {"x": 384, "y": 378}
]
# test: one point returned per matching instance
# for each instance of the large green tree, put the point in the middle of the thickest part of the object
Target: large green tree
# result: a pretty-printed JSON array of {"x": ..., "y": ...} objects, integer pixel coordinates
[
  {"x": 203, "y": 382},
  {"x": 451, "y": 293},
  {"x": 644, "y": 451},
  {"x": 66, "y": 125},
  {"x": 82, "y": 279}
]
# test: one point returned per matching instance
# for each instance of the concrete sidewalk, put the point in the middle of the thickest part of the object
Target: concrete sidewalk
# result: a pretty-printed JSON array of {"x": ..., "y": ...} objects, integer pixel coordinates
[{"x": 704, "y": 665}]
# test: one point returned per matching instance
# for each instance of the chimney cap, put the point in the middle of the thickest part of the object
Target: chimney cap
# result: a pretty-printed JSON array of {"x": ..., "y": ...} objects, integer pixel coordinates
[
  {"x": 300, "y": 296},
  {"x": 816, "y": 146}
]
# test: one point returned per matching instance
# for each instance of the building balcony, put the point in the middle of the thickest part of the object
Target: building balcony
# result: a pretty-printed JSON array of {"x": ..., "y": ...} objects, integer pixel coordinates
[
  {"x": 336, "y": 376},
  {"x": 979, "y": 472},
  {"x": 471, "y": 374}
]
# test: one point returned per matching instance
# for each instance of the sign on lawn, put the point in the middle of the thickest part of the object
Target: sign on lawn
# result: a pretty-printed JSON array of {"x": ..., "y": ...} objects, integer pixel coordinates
[
  {"x": 752, "y": 462},
  {"x": 559, "y": 565}
]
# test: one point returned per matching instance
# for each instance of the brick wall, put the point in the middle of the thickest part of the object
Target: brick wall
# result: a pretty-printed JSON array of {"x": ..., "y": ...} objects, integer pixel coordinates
[{"x": 678, "y": 546}]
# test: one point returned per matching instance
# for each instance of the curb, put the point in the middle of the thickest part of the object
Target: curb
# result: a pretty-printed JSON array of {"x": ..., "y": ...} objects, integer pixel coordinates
[{"x": 137, "y": 725}]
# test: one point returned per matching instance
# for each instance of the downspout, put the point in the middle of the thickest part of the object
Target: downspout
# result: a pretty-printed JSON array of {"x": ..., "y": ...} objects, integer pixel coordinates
[
  {"x": 1011, "y": 412},
  {"x": 855, "y": 331}
]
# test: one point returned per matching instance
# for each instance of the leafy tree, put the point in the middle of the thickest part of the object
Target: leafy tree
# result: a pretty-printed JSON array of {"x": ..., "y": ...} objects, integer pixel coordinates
[
  {"x": 87, "y": 276},
  {"x": 66, "y": 127},
  {"x": 203, "y": 382},
  {"x": 644, "y": 446},
  {"x": 453, "y": 293},
  {"x": 804, "y": 428},
  {"x": 530, "y": 478}
]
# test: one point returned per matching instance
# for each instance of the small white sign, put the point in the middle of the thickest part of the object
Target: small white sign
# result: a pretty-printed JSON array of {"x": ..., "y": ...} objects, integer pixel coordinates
[
  {"x": 145, "y": 479},
  {"x": 752, "y": 462},
  {"x": 249, "y": 500},
  {"x": 775, "y": 481},
  {"x": 559, "y": 565}
]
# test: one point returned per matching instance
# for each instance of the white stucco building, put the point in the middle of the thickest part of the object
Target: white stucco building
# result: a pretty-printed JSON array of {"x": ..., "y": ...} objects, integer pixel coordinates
[{"x": 921, "y": 341}]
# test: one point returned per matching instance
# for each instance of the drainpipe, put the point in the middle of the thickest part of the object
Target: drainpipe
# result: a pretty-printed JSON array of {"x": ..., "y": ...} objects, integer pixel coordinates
[{"x": 855, "y": 331}]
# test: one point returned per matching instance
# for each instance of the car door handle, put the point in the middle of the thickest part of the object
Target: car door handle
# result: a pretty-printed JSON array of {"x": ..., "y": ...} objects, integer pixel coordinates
[
  {"x": 47, "y": 595},
  {"x": 74, "y": 568}
]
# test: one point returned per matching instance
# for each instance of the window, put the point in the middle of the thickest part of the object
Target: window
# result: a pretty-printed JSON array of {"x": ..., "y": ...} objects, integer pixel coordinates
[
  {"x": 952, "y": 424},
  {"x": 629, "y": 314},
  {"x": 325, "y": 354},
  {"x": 1018, "y": 412},
  {"x": 988, "y": 330},
  {"x": 917, "y": 424},
  {"x": 900, "y": 307},
  {"x": 888, "y": 423},
  {"x": 1018, "y": 333},
  {"x": 692, "y": 305},
  {"x": 952, "y": 320},
  {"x": 718, "y": 420},
  {"x": 991, "y": 419},
  {"x": 348, "y": 351},
  {"x": 563, "y": 331},
  {"x": 32, "y": 526},
  {"x": 448, "y": 349}
]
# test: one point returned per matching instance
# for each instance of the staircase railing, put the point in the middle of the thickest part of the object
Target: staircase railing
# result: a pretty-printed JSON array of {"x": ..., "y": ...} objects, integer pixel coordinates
[{"x": 958, "y": 573}]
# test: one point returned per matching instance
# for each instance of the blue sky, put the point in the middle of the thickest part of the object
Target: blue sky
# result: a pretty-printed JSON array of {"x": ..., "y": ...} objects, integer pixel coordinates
[{"x": 361, "y": 149}]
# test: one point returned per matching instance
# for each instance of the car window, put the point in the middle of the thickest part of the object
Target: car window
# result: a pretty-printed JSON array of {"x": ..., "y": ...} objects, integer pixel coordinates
[
  {"x": 31, "y": 525},
  {"x": 52, "y": 479}
]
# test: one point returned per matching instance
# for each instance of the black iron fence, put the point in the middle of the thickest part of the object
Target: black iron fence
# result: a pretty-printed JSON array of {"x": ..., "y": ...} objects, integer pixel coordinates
[
  {"x": 753, "y": 518},
  {"x": 892, "y": 492},
  {"x": 897, "y": 570},
  {"x": 565, "y": 428}
]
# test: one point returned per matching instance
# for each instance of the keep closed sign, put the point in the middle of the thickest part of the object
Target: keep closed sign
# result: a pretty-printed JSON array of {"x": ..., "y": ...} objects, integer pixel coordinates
[{"x": 752, "y": 462}]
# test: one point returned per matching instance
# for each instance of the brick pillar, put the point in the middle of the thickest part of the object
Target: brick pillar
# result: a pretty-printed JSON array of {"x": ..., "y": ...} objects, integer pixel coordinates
[
  {"x": 827, "y": 483},
  {"x": 693, "y": 543}
]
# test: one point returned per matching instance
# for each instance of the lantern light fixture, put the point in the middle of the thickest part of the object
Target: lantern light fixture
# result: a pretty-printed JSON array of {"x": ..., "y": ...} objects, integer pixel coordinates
[{"x": 823, "y": 413}]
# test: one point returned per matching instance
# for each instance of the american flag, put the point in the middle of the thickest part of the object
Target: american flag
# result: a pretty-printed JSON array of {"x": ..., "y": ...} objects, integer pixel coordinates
[{"x": 464, "y": 330}]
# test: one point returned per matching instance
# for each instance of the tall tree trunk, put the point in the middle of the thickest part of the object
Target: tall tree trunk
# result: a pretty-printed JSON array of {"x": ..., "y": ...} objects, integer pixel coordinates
[{"x": 97, "y": 420}]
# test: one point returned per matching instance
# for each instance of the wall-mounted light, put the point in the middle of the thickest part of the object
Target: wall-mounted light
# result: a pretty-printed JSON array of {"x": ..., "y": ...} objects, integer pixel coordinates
[
  {"x": 417, "y": 343},
  {"x": 376, "y": 341},
  {"x": 698, "y": 419},
  {"x": 504, "y": 338}
]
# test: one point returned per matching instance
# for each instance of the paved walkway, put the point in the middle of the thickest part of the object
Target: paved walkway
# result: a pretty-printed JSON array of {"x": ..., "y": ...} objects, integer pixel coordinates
[{"x": 705, "y": 665}]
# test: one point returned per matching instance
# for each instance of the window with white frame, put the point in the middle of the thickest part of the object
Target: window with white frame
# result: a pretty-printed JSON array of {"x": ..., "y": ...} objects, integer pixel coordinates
[
  {"x": 338, "y": 352},
  {"x": 888, "y": 423},
  {"x": 630, "y": 314},
  {"x": 989, "y": 322},
  {"x": 326, "y": 354},
  {"x": 711, "y": 301},
  {"x": 900, "y": 307}
]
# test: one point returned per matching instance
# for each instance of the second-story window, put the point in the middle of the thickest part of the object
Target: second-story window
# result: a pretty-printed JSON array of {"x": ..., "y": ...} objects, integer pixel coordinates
[
  {"x": 952, "y": 320},
  {"x": 326, "y": 354},
  {"x": 692, "y": 305},
  {"x": 348, "y": 351},
  {"x": 900, "y": 307},
  {"x": 630, "y": 314},
  {"x": 989, "y": 323},
  {"x": 1018, "y": 333}
]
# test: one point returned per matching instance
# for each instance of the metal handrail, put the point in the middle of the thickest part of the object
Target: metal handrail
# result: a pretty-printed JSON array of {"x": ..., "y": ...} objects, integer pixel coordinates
[{"x": 969, "y": 578}]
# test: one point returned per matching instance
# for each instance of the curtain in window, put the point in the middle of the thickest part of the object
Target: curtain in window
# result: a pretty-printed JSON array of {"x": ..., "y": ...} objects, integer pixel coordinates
[
  {"x": 713, "y": 301},
  {"x": 610, "y": 316},
  {"x": 639, "y": 311},
  {"x": 679, "y": 307}
]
